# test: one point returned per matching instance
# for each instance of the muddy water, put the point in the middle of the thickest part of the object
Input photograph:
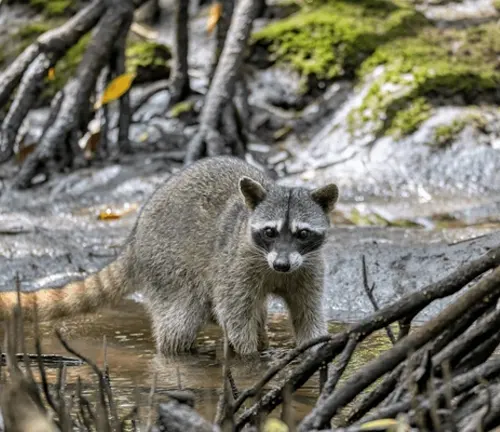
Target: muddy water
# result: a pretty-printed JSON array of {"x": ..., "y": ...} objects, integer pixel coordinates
[{"x": 132, "y": 360}]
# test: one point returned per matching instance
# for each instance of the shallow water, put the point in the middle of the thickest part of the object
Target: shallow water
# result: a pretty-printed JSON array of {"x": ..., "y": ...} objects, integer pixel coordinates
[{"x": 132, "y": 360}]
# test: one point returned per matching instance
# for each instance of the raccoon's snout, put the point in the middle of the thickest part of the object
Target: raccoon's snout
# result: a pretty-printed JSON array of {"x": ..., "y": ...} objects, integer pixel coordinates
[
  {"x": 284, "y": 263},
  {"x": 281, "y": 265}
]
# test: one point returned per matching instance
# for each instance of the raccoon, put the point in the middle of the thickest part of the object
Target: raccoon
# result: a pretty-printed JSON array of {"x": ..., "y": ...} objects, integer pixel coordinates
[{"x": 212, "y": 243}]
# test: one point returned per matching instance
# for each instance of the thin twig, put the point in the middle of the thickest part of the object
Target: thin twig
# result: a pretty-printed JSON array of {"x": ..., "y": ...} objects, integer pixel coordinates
[
  {"x": 271, "y": 372},
  {"x": 149, "y": 426},
  {"x": 339, "y": 369},
  {"x": 369, "y": 293}
]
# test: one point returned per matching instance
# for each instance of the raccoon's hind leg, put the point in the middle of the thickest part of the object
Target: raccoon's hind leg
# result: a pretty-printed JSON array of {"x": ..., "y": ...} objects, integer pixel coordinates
[{"x": 176, "y": 324}]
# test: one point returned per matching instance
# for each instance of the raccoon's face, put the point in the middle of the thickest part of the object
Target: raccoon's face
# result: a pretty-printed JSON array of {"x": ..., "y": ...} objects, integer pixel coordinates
[{"x": 289, "y": 225}]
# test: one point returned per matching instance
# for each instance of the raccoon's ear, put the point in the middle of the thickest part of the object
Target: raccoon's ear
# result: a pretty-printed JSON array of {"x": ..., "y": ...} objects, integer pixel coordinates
[
  {"x": 326, "y": 196},
  {"x": 253, "y": 192}
]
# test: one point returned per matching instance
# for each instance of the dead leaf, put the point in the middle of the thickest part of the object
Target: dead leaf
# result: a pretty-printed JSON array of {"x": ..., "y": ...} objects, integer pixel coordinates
[
  {"x": 51, "y": 74},
  {"x": 89, "y": 142},
  {"x": 111, "y": 214},
  {"x": 24, "y": 151},
  {"x": 115, "y": 89},
  {"x": 214, "y": 16}
]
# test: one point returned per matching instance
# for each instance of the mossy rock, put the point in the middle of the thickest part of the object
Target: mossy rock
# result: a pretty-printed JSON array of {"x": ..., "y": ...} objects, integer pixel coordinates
[
  {"x": 419, "y": 71},
  {"x": 330, "y": 39},
  {"x": 149, "y": 60},
  {"x": 445, "y": 134}
]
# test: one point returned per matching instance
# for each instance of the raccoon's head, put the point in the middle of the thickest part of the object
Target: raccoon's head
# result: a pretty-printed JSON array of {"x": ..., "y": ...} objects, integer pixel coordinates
[{"x": 288, "y": 225}]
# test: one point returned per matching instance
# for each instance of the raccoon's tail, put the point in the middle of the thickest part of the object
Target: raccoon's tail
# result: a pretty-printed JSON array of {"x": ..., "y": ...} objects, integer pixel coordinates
[{"x": 104, "y": 288}]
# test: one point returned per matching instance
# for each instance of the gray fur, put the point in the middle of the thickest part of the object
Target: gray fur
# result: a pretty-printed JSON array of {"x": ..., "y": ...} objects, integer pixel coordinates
[{"x": 193, "y": 253}]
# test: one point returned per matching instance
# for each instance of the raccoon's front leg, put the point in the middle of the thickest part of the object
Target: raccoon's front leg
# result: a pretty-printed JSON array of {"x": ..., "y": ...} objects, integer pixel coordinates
[
  {"x": 262, "y": 331},
  {"x": 240, "y": 315},
  {"x": 306, "y": 313}
]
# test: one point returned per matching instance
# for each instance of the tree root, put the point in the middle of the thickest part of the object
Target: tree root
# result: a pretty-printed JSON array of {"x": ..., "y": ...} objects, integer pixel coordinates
[
  {"x": 214, "y": 116},
  {"x": 76, "y": 94},
  {"x": 179, "y": 85},
  {"x": 487, "y": 290},
  {"x": 56, "y": 41},
  {"x": 29, "y": 89}
]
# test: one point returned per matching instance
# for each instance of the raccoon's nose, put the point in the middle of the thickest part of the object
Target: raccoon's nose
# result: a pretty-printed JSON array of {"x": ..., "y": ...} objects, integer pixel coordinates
[{"x": 281, "y": 265}]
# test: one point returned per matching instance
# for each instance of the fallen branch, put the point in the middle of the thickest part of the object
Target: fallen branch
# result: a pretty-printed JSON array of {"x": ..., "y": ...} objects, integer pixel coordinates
[{"x": 369, "y": 293}]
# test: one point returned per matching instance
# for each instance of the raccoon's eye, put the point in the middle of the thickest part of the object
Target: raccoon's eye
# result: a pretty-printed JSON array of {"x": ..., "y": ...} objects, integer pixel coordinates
[
  {"x": 303, "y": 234},
  {"x": 270, "y": 232}
]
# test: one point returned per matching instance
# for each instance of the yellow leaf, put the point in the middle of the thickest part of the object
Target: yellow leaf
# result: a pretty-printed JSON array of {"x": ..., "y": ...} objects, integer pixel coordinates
[
  {"x": 214, "y": 16},
  {"x": 116, "y": 88},
  {"x": 275, "y": 425},
  {"x": 110, "y": 214},
  {"x": 52, "y": 74},
  {"x": 379, "y": 425}
]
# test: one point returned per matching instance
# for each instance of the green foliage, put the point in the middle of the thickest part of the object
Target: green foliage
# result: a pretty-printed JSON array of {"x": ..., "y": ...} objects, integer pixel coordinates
[
  {"x": 330, "y": 39},
  {"x": 435, "y": 63}
]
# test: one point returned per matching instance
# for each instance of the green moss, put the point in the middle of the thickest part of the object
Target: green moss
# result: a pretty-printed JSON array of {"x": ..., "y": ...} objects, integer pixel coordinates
[
  {"x": 65, "y": 68},
  {"x": 180, "y": 108},
  {"x": 444, "y": 134},
  {"x": 330, "y": 39},
  {"x": 426, "y": 67},
  {"x": 149, "y": 60},
  {"x": 28, "y": 33},
  {"x": 407, "y": 120},
  {"x": 54, "y": 8}
]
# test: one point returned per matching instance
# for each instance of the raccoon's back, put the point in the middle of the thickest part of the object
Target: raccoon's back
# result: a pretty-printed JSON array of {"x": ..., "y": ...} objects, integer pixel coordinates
[{"x": 180, "y": 223}]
